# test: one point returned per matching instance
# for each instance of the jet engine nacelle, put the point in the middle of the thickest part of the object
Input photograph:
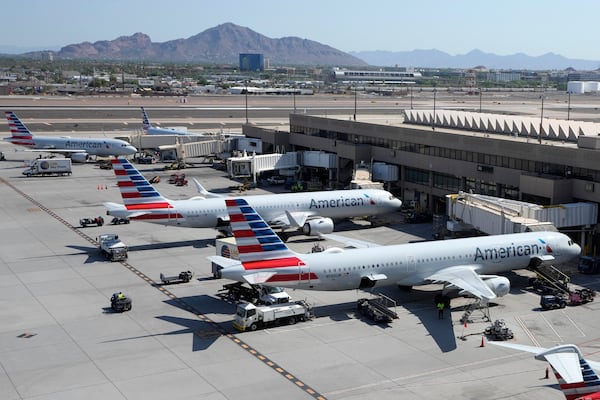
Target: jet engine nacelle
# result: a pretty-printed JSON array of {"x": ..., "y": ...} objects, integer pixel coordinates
[
  {"x": 499, "y": 285},
  {"x": 79, "y": 157},
  {"x": 318, "y": 225}
]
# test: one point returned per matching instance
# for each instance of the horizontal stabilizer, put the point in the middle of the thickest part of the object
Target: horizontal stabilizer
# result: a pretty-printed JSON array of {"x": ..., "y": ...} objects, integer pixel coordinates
[
  {"x": 224, "y": 262},
  {"x": 258, "y": 278}
]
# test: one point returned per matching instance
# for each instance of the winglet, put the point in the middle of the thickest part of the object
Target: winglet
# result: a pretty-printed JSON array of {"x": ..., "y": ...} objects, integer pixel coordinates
[{"x": 205, "y": 193}]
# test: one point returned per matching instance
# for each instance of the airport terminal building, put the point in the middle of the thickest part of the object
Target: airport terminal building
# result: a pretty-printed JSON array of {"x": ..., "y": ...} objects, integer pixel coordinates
[{"x": 440, "y": 153}]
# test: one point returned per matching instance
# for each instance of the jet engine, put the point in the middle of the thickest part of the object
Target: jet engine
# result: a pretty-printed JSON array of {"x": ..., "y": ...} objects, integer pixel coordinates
[
  {"x": 315, "y": 226},
  {"x": 499, "y": 285},
  {"x": 79, "y": 157}
]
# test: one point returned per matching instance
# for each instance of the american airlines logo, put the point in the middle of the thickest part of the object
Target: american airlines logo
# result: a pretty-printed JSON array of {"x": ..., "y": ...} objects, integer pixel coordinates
[
  {"x": 341, "y": 202},
  {"x": 520, "y": 250},
  {"x": 80, "y": 144}
]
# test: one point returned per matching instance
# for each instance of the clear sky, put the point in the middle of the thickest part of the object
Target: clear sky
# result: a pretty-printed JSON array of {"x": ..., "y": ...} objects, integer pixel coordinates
[{"x": 534, "y": 27}]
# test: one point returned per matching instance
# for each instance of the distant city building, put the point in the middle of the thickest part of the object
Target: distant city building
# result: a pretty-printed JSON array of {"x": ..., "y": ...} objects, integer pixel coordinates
[
  {"x": 581, "y": 87},
  {"x": 376, "y": 76},
  {"x": 252, "y": 62}
]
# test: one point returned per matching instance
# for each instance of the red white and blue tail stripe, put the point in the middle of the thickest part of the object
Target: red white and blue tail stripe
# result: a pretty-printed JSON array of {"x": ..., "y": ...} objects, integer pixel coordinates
[
  {"x": 145, "y": 121},
  {"x": 19, "y": 134},
  {"x": 253, "y": 236},
  {"x": 263, "y": 256},
  {"x": 577, "y": 390},
  {"x": 137, "y": 193}
]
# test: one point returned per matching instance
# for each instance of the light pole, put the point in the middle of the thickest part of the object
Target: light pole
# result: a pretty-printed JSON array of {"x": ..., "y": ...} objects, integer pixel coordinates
[
  {"x": 411, "y": 98},
  {"x": 355, "y": 102},
  {"x": 433, "y": 119},
  {"x": 569, "y": 107},
  {"x": 294, "y": 94},
  {"x": 480, "y": 94},
  {"x": 541, "y": 120},
  {"x": 246, "y": 83}
]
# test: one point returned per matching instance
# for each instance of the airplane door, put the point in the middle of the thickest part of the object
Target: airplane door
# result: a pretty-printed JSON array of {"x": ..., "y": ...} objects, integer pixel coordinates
[
  {"x": 304, "y": 274},
  {"x": 410, "y": 264}
]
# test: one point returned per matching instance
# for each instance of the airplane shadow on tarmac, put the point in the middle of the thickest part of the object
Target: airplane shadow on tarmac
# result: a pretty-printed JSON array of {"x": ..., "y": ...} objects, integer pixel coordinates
[{"x": 204, "y": 331}]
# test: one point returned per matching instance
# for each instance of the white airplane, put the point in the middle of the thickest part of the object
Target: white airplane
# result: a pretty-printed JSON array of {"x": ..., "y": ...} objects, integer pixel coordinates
[
  {"x": 154, "y": 130},
  {"x": 310, "y": 211},
  {"x": 78, "y": 149},
  {"x": 577, "y": 377},
  {"x": 468, "y": 264}
]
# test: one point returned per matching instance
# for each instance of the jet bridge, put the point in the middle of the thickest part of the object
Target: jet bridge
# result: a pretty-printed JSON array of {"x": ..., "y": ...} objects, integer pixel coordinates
[{"x": 495, "y": 216}]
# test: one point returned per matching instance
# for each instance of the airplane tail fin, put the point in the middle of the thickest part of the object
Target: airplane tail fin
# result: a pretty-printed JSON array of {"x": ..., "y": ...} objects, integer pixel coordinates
[
  {"x": 19, "y": 134},
  {"x": 205, "y": 193},
  {"x": 255, "y": 239},
  {"x": 145, "y": 121},
  {"x": 576, "y": 376},
  {"x": 137, "y": 193}
]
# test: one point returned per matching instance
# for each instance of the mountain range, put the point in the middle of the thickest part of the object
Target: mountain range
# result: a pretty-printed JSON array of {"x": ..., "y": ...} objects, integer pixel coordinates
[
  {"x": 438, "y": 59},
  {"x": 223, "y": 44}
]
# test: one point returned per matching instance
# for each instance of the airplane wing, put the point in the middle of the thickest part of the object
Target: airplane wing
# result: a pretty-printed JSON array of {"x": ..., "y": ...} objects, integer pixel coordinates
[
  {"x": 349, "y": 242},
  {"x": 464, "y": 277},
  {"x": 566, "y": 363}
]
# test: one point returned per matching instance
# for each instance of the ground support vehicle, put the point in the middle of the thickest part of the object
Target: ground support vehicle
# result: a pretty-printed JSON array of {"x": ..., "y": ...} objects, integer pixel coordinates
[
  {"x": 378, "y": 309},
  {"x": 183, "y": 277},
  {"x": 49, "y": 166},
  {"x": 112, "y": 247},
  {"x": 251, "y": 317},
  {"x": 550, "y": 302},
  {"x": 119, "y": 221},
  {"x": 581, "y": 296},
  {"x": 85, "y": 222},
  {"x": 588, "y": 265},
  {"x": 256, "y": 294},
  {"x": 120, "y": 303},
  {"x": 499, "y": 331}
]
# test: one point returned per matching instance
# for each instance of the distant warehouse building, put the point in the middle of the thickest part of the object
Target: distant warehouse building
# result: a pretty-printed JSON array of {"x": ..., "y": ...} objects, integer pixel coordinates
[
  {"x": 375, "y": 76},
  {"x": 252, "y": 62},
  {"x": 581, "y": 87}
]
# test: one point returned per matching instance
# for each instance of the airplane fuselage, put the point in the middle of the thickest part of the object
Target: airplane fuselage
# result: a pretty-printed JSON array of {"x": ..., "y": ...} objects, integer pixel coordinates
[
  {"x": 208, "y": 213},
  {"x": 409, "y": 264},
  {"x": 100, "y": 147}
]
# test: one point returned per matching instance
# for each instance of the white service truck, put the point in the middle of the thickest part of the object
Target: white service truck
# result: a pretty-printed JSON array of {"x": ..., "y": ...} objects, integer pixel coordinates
[
  {"x": 112, "y": 247},
  {"x": 49, "y": 166},
  {"x": 251, "y": 317}
]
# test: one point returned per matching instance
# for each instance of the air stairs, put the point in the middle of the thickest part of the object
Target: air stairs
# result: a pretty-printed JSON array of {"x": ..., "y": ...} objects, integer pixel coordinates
[
  {"x": 551, "y": 277},
  {"x": 478, "y": 308}
]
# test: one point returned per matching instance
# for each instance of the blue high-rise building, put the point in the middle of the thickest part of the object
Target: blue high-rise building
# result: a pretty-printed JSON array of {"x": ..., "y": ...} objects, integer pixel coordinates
[{"x": 252, "y": 62}]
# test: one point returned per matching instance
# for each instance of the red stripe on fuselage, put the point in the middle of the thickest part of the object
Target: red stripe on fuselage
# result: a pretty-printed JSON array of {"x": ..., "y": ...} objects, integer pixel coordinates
[
  {"x": 275, "y": 263},
  {"x": 147, "y": 206},
  {"x": 158, "y": 216},
  {"x": 120, "y": 172},
  {"x": 293, "y": 277}
]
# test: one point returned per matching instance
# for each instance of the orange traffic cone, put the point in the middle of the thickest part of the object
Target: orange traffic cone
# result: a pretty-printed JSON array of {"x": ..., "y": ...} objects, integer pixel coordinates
[{"x": 482, "y": 342}]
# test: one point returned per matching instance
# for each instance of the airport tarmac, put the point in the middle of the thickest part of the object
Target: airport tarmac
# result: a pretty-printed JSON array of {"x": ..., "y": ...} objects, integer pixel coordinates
[{"x": 59, "y": 339}]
